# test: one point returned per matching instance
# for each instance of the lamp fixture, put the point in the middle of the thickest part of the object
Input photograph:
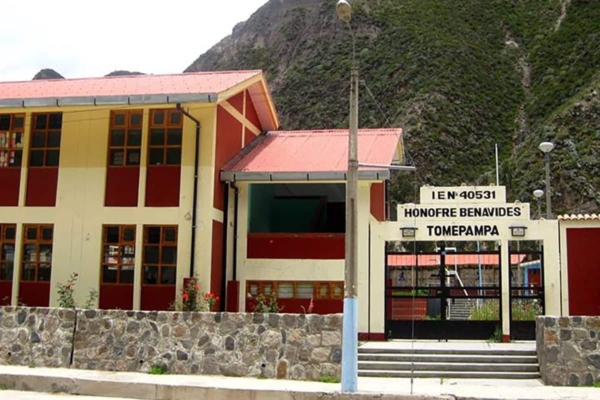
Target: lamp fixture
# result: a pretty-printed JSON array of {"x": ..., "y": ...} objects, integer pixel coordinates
[
  {"x": 518, "y": 230},
  {"x": 409, "y": 231}
]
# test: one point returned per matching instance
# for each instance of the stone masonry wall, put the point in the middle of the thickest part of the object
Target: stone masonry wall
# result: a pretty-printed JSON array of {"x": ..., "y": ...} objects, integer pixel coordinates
[
  {"x": 283, "y": 346},
  {"x": 41, "y": 337},
  {"x": 568, "y": 350}
]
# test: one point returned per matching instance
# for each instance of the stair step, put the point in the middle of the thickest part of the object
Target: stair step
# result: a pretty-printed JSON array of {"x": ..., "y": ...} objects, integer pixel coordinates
[
  {"x": 440, "y": 366},
  {"x": 479, "y": 352},
  {"x": 449, "y": 374},
  {"x": 449, "y": 358}
]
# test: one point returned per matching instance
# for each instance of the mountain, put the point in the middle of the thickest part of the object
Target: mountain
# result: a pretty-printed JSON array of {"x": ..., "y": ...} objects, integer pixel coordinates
[
  {"x": 124, "y": 73},
  {"x": 458, "y": 75},
  {"x": 47, "y": 73}
]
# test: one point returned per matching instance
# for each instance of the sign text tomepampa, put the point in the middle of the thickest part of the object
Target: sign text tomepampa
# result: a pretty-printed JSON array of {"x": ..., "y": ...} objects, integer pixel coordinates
[{"x": 462, "y": 212}]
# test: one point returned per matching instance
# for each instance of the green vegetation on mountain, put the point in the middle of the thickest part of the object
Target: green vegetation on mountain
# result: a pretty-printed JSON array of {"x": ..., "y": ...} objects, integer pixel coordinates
[{"x": 458, "y": 75}]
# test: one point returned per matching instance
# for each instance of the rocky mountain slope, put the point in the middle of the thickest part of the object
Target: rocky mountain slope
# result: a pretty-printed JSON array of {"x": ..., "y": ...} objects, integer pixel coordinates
[
  {"x": 458, "y": 75},
  {"x": 47, "y": 73}
]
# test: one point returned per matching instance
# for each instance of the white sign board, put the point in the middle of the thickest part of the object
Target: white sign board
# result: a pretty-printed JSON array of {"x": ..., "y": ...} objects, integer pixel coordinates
[{"x": 463, "y": 213}]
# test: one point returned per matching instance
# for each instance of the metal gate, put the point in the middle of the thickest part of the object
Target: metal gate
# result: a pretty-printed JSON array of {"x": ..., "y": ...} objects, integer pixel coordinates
[
  {"x": 526, "y": 292},
  {"x": 443, "y": 295}
]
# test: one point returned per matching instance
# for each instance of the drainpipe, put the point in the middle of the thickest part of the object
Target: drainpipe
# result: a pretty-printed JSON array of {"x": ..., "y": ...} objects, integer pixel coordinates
[
  {"x": 195, "y": 196},
  {"x": 235, "y": 228},
  {"x": 224, "y": 252}
]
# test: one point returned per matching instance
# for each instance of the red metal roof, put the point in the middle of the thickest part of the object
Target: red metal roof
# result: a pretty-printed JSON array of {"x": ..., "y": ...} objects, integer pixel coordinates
[
  {"x": 316, "y": 151},
  {"x": 430, "y": 260},
  {"x": 186, "y": 83}
]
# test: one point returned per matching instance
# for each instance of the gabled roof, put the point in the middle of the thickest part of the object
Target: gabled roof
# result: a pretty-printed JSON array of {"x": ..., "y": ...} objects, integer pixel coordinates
[
  {"x": 432, "y": 260},
  {"x": 191, "y": 87},
  {"x": 314, "y": 155}
]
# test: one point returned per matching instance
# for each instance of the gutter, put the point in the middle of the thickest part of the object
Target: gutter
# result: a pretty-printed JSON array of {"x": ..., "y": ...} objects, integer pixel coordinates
[
  {"x": 241, "y": 176},
  {"x": 110, "y": 100},
  {"x": 235, "y": 228},
  {"x": 195, "y": 196}
]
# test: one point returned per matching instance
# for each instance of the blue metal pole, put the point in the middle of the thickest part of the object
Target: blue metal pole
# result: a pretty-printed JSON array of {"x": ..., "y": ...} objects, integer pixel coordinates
[{"x": 350, "y": 346}]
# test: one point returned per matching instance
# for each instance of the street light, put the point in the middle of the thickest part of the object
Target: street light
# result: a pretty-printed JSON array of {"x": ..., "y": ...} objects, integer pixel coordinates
[
  {"x": 538, "y": 193},
  {"x": 350, "y": 326},
  {"x": 546, "y": 148}
]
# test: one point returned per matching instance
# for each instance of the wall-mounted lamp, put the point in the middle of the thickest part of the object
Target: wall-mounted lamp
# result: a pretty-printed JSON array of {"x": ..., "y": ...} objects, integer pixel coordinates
[
  {"x": 518, "y": 231},
  {"x": 409, "y": 231}
]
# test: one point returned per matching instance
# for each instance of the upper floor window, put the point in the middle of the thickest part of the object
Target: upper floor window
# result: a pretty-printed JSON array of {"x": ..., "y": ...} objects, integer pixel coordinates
[
  {"x": 45, "y": 140},
  {"x": 12, "y": 128},
  {"x": 7, "y": 251},
  {"x": 37, "y": 253},
  {"x": 166, "y": 129},
  {"x": 125, "y": 142}
]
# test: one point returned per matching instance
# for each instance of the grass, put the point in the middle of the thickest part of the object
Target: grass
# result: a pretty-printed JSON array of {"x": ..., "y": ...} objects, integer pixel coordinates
[
  {"x": 157, "y": 370},
  {"x": 596, "y": 384},
  {"x": 328, "y": 379}
]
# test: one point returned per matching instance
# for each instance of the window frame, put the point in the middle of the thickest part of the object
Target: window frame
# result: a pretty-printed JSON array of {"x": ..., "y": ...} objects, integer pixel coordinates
[
  {"x": 126, "y": 148},
  {"x": 5, "y": 241},
  {"x": 47, "y": 131},
  {"x": 165, "y": 127},
  {"x": 274, "y": 285},
  {"x": 160, "y": 265},
  {"x": 8, "y": 142},
  {"x": 122, "y": 244},
  {"x": 38, "y": 242}
]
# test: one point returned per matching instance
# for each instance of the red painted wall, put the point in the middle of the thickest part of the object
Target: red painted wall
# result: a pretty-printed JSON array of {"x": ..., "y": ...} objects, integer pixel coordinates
[
  {"x": 378, "y": 201},
  {"x": 248, "y": 137},
  {"x": 229, "y": 143},
  {"x": 34, "y": 294},
  {"x": 308, "y": 246},
  {"x": 157, "y": 297},
  {"x": 41, "y": 187},
  {"x": 162, "y": 185},
  {"x": 300, "y": 306},
  {"x": 216, "y": 272},
  {"x": 122, "y": 186},
  {"x": 233, "y": 296},
  {"x": 237, "y": 102},
  {"x": 10, "y": 179},
  {"x": 116, "y": 297},
  {"x": 583, "y": 263},
  {"x": 5, "y": 293},
  {"x": 251, "y": 114}
]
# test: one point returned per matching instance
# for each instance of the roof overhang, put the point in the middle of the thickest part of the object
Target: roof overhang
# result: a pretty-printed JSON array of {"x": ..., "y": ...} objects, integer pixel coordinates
[
  {"x": 110, "y": 100},
  {"x": 241, "y": 176}
]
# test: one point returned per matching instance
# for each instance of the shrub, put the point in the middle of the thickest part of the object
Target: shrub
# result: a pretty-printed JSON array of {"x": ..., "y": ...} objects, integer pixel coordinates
[
  {"x": 191, "y": 299},
  {"x": 267, "y": 304}
]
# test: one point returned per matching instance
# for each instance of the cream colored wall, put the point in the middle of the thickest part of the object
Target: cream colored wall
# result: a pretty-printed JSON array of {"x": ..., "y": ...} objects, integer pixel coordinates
[
  {"x": 564, "y": 254},
  {"x": 80, "y": 213}
]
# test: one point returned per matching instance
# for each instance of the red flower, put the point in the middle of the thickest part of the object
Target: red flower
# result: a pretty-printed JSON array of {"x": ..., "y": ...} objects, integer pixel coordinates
[
  {"x": 68, "y": 287},
  {"x": 196, "y": 287},
  {"x": 185, "y": 296}
]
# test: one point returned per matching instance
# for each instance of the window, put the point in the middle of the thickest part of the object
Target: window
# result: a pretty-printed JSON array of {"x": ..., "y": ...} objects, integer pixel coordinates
[
  {"x": 166, "y": 127},
  {"x": 45, "y": 140},
  {"x": 11, "y": 140},
  {"x": 37, "y": 253},
  {"x": 160, "y": 255},
  {"x": 125, "y": 138},
  {"x": 297, "y": 290},
  {"x": 118, "y": 261},
  {"x": 7, "y": 251}
]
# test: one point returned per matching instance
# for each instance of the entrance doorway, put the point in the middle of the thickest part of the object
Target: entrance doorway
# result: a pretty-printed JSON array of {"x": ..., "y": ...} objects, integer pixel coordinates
[{"x": 443, "y": 294}]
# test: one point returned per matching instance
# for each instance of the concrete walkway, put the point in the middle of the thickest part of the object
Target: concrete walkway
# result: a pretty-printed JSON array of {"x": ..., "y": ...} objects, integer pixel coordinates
[{"x": 184, "y": 387}]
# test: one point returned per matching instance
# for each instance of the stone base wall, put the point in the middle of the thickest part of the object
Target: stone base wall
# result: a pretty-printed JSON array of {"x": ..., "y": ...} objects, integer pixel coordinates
[
  {"x": 568, "y": 350},
  {"x": 40, "y": 337},
  {"x": 282, "y": 346}
]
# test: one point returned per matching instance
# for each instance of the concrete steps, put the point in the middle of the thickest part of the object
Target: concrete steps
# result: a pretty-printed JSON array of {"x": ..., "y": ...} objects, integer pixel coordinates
[{"x": 448, "y": 363}]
